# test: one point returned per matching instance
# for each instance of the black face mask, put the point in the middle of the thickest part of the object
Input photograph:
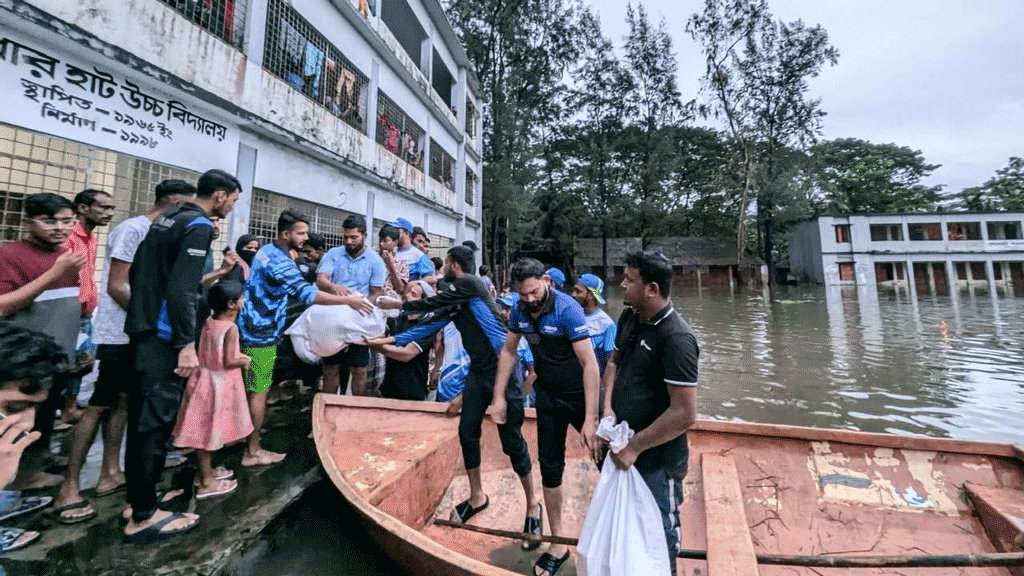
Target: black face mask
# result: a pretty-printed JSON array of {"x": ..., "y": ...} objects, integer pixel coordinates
[{"x": 247, "y": 255}]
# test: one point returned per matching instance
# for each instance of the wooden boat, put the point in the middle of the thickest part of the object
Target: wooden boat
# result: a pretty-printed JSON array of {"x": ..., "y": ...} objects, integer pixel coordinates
[{"x": 752, "y": 491}]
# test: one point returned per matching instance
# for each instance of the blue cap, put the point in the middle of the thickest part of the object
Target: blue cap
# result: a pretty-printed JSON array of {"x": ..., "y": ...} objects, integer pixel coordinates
[
  {"x": 557, "y": 276},
  {"x": 509, "y": 300},
  {"x": 402, "y": 223},
  {"x": 595, "y": 285}
]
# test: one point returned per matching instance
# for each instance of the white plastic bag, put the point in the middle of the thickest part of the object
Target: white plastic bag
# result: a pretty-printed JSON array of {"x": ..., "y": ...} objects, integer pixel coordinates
[
  {"x": 623, "y": 533},
  {"x": 323, "y": 331}
]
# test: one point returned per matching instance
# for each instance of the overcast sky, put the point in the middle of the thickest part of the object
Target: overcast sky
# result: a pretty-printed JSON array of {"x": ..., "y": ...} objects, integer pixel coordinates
[{"x": 940, "y": 76}]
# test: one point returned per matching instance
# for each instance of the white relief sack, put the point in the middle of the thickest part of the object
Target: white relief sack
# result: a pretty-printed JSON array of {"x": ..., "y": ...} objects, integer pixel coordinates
[
  {"x": 623, "y": 532},
  {"x": 323, "y": 331}
]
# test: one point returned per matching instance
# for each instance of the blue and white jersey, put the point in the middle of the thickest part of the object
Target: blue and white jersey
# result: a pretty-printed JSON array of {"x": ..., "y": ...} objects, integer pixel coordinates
[
  {"x": 602, "y": 335},
  {"x": 551, "y": 335},
  {"x": 456, "y": 365},
  {"x": 272, "y": 278}
]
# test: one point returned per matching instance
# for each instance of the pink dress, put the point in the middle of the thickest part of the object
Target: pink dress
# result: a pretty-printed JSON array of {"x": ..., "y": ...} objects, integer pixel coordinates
[{"x": 214, "y": 410}]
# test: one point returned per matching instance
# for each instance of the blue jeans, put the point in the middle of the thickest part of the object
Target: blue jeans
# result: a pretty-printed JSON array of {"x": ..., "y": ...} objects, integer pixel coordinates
[{"x": 668, "y": 493}]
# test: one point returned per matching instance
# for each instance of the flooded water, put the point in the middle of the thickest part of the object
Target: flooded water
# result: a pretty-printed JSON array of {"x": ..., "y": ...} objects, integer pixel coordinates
[{"x": 811, "y": 356}]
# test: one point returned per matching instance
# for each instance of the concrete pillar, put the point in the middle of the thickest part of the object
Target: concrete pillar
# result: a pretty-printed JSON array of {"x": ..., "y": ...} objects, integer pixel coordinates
[
  {"x": 991, "y": 277},
  {"x": 911, "y": 282},
  {"x": 954, "y": 292},
  {"x": 245, "y": 171},
  {"x": 700, "y": 281},
  {"x": 372, "y": 118},
  {"x": 371, "y": 209},
  {"x": 255, "y": 31},
  {"x": 931, "y": 277}
]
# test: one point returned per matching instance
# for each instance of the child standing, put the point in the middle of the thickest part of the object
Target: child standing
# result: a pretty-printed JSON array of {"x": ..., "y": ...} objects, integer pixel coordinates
[{"x": 214, "y": 410}]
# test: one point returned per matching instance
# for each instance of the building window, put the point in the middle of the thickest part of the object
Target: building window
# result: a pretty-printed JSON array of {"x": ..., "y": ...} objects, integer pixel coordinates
[
  {"x": 31, "y": 162},
  {"x": 470, "y": 187},
  {"x": 443, "y": 81},
  {"x": 398, "y": 133},
  {"x": 928, "y": 231},
  {"x": 886, "y": 232},
  {"x": 842, "y": 233},
  {"x": 302, "y": 57},
  {"x": 847, "y": 272},
  {"x": 225, "y": 19},
  {"x": 470, "y": 118},
  {"x": 441, "y": 165},
  {"x": 964, "y": 230},
  {"x": 267, "y": 206},
  {"x": 439, "y": 245},
  {"x": 1004, "y": 231},
  {"x": 406, "y": 28}
]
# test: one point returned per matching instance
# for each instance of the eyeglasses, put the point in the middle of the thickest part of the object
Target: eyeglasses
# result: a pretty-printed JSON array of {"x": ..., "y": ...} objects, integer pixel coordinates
[{"x": 56, "y": 222}]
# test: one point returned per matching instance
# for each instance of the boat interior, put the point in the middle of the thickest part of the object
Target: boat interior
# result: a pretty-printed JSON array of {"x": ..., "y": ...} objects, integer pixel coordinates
[{"x": 750, "y": 489}]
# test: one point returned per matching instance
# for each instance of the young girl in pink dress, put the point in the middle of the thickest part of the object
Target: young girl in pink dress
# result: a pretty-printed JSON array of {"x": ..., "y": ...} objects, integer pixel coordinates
[{"x": 214, "y": 410}]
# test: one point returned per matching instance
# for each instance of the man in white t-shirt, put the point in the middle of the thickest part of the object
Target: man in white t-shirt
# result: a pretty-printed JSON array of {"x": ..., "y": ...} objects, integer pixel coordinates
[
  {"x": 420, "y": 266},
  {"x": 108, "y": 404}
]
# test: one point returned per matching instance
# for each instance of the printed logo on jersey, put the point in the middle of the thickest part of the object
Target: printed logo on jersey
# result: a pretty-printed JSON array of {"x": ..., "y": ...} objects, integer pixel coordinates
[
  {"x": 552, "y": 330},
  {"x": 196, "y": 252}
]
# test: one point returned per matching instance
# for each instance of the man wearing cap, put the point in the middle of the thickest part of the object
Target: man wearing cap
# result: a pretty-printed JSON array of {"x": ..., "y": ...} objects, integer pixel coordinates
[
  {"x": 567, "y": 386},
  {"x": 420, "y": 266},
  {"x": 557, "y": 278},
  {"x": 602, "y": 329}
]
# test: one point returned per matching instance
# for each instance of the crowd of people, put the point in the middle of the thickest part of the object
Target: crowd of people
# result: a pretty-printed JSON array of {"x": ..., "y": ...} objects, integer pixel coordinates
[{"x": 191, "y": 355}]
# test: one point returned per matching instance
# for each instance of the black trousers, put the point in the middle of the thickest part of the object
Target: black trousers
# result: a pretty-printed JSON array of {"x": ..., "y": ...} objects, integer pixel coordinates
[
  {"x": 554, "y": 416},
  {"x": 152, "y": 412},
  {"x": 476, "y": 397}
]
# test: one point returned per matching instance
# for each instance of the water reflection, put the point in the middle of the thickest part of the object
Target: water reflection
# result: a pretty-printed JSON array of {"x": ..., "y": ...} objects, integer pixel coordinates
[{"x": 859, "y": 358}]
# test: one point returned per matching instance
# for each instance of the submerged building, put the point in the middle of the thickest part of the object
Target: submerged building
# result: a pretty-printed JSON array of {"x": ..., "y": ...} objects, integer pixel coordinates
[
  {"x": 330, "y": 107},
  {"x": 930, "y": 252}
]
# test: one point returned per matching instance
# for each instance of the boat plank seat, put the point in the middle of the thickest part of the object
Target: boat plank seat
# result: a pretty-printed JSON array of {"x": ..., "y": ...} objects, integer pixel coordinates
[
  {"x": 1001, "y": 511},
  {"x": 730, "y": 548}
]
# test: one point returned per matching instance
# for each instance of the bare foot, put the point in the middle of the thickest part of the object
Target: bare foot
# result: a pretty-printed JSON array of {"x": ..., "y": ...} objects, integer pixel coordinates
[
  {"x": 165, "y": 498},
  {"x": 261, "y": 458},
  {"x": 216, "y": 488},
  {"x": 187, "y": 519}
]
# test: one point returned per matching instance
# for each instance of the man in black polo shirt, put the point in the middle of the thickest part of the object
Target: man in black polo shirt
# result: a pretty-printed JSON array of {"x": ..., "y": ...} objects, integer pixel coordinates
[
  {"x": 567, "y": 386},
  {"x": 651, "y": 383}
]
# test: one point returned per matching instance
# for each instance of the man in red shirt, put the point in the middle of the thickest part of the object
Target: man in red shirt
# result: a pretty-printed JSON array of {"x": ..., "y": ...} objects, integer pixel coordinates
[
  {"x": 94, "y": 208},
  {"x": 39, "y": 291}
]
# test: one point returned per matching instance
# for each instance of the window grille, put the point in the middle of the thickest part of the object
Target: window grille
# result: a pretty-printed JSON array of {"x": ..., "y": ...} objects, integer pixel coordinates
[
  {"x": 441, "y": 165},
  {"x": 225, "y": 19},
  {"x": 439, "y": 245},
  {"x": 398, "y": 133},
  {"x": 470, "y": 187},
  {"x": 302, "y": 57},
  {"x": 470, "y": 119},
  {"x": 267, "y": 206},
  {"x": 31, "y": 162}
]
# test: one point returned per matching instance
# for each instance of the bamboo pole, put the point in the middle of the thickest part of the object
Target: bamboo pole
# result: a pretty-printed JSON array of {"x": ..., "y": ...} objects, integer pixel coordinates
[{"x": 819, "y": 561}]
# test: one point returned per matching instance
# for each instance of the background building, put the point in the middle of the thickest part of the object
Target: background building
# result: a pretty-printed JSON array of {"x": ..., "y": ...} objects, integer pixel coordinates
[
  {"x": 937, "y": 249},
  {"x": 331, "y": 107}
]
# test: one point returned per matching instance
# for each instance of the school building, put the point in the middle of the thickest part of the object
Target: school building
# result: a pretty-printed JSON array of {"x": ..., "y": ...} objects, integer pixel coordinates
[{"x": 330, "y": 107}]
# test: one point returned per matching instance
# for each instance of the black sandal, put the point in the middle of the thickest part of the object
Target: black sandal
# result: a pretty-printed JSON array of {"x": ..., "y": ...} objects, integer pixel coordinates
[
  {"x": 534, "y": 526},
  {"x": 550, "y": 564},
  {"x": 465, "y": 510}
]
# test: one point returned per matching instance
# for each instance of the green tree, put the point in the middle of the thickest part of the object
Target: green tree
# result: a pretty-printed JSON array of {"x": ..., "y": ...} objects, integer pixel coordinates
[
  {"x": 1004, "y": 191},
  {"x": 756, "y": 80},
  {"x": 860, "y": 176}
]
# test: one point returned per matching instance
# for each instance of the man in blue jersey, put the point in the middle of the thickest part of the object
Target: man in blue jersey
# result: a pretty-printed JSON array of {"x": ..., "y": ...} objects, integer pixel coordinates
[
  {"x": 566, "y": 387},
  {"x": 466, "y": 303},
  {"x": 588, "y": 292},
  {"x": 420, "y": 266},
  {"x": 161, "y": 323},
  {"x": 274, "y": 277}
]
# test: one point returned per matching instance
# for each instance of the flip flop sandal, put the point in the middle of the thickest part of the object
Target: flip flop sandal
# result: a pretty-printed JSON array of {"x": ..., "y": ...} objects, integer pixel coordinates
[
  {"x": 24, "y": 505},
  {"x": 119, "y": 488},
  {"x": 534, "y": 526},
  {"x": 219, "y": 473},
  {"x": 465, "y": 510},
  {"x": 174, "y": 460},
  {"x": 550, "y": 564},
  {"x": 232, "y": 485},
  {"x": 157, "y": 532},
  {"x": 9, "y": 538},
  {"x": 67, "y": 520},
  {"x": 162, "y": 502}
]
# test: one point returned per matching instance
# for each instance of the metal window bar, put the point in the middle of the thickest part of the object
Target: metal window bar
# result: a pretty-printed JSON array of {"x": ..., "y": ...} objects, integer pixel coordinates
[
  {"x": 267, "y": 206},
  {"x": 470, "y": 187},
  {"x": 31, "y": 162},
  {"x": 441, "y": 164},
  {"x": 225, "y": 19},
  {"x": 470, "y": 119},
  {"x": 302, "y": 57},
  {"x": 397, "y": 133},
  {"x": 439, "y": 245}
]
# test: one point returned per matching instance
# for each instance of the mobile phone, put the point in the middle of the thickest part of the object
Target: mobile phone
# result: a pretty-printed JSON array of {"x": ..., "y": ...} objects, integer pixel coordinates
[{"x": 20, "y": 436}]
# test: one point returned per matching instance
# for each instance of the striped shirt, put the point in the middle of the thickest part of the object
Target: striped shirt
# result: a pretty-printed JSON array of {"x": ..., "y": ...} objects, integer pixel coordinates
[{"x": 272, "y": 278}]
